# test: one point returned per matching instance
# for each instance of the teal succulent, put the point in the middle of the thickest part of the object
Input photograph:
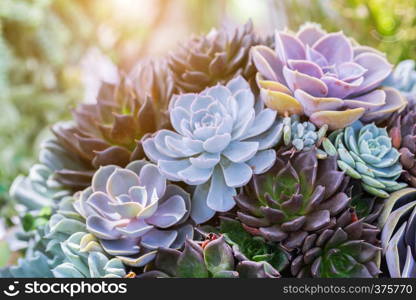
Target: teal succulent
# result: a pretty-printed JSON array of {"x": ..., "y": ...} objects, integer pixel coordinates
[
  {"x": 213, "y": 258},
  {"x": 85, "y": 259},
  {"x": 365, "y": 152}
]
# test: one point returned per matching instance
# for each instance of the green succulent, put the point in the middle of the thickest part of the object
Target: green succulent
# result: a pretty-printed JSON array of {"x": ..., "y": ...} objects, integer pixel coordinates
[
  {"x": 365, "y": 153},
  {"x": 213, "y": 258}
]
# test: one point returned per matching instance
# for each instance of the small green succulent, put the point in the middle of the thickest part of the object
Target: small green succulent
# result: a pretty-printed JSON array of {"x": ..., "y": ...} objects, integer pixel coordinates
[{"x": 252, "y": 248}]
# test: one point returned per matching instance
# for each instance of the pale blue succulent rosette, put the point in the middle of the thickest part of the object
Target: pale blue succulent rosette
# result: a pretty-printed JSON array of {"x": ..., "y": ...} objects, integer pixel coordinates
[
  {"x": 221, "y": 137},
  {"x": 403, "y": 78}
]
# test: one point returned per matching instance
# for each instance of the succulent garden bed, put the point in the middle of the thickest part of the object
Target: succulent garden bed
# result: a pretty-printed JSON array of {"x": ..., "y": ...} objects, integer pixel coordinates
[{"x": 236, "y": 156}]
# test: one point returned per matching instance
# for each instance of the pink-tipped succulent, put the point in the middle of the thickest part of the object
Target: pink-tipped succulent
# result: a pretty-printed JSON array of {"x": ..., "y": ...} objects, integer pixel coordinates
[
  {"x": 325, "y": 76},
  {"x": 133, "y": 211}
]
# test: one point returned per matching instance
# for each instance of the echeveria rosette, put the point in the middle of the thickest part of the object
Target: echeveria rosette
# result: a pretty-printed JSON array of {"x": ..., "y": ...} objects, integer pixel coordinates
[
  {"x": 85, "y": 258},
  {"x": 398, "y": 236},
  {"x": 365, "y": 152},
  {"x": 367, "y": 207},
  {"x": 221, "y": 139},
  {"x": 299, "y": 195},
  {"x": 346, "y": 249},
  {"x": 133, "y": 211},
  {"x": 213, "y": 259},
  {"x": 403, "y": 78},
  {"x": 403, "y": 135},
  {"x": 326, "y": 77}
]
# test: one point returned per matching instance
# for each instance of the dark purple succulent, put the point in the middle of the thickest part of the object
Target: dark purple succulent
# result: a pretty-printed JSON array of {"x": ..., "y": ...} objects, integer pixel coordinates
[{"x": 325, "y": 76}]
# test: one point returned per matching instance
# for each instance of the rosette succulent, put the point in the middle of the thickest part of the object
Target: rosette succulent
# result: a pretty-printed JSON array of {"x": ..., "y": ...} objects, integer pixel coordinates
[
  {"x": 134, "y": 211},
  {"x": 109, "y": 131},
  {"x": 214, "y": 58},
  {"x": 326, "y": 77},
  {"x": 302, "y": 136},
  {"x": 43, "y": 250},
  {"x": 365, "y": 152},
  {"x": 403, "y": 136},
  {"x": 398, "y": 237},
  {"x": 347, "y": 249},
  {"x": 367, "y": 207},
  {"x": 403, "y": 79},
  {"x": 299, "y": 195},
  {"x": 213, "y": 259},
  {"x": 41, "y": 188},
  {"x": 221, "y": 139},
  {"x": 84, "y": 258}
]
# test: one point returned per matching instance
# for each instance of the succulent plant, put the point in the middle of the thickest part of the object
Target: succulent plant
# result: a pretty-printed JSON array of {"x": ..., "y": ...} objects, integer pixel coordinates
[
  {"x": 214, "y": 58},
  {"x": 398, "y": 223},
  {"x": 403, "y": 79},
  {"x": 247, "y": 247},
  {"x": 299, "y": 195},
  {"x": 214, "y": 259},
  {"x": 40, "y": 188},
  {"x": 366, "y": 153},
  {"x": 84, "y": 258},
  {"x": 221, "y": 138},
  {"x": 403, "y": 136},
  {"x": 109, "y": 131},
  {"x": 304, "y": 75},
  {"x": 346, "y": 249},
  {"x": 133, "y": 211},
  {"x": 367, "y": 207},
  {"x": 43, "y": 250},
  {"x": 36, "y": 266},
  {"x": 302, "y": 136}
]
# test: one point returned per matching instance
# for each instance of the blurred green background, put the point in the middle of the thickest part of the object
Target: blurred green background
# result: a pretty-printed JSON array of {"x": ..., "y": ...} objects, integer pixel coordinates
[{"x": 46, "y": 56}]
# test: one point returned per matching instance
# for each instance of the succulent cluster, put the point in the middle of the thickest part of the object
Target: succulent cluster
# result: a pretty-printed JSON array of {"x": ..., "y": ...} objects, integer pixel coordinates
[{"x": 229, "y": 159}]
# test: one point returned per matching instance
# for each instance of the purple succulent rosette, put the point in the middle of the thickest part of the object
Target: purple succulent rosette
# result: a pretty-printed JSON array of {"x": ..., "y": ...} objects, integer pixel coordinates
[
  {"x": 325, "y": 76},
  {"x": 222, "y": 137},
  {"x": 133, "y": 211}
]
